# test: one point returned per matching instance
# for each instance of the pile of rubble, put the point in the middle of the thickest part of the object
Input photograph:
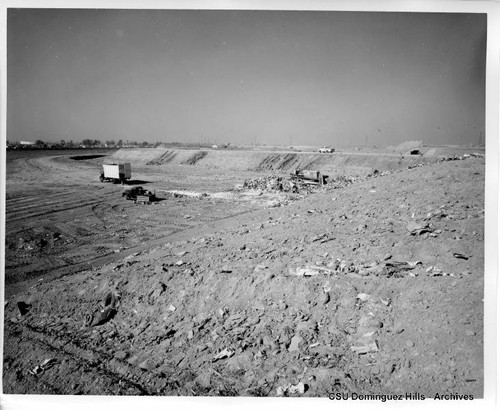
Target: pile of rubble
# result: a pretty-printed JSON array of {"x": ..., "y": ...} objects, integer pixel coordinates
[
  {"x": 386, "y": 268},
  {"x": 462, "y": 157},
  {"x": 358, "y": 270},
  {"x": 342, "y": 181},
  {"x": 268, "y": 183},
  {"x": 274, "y": 183},
  {"x": 296, "y": 183}
]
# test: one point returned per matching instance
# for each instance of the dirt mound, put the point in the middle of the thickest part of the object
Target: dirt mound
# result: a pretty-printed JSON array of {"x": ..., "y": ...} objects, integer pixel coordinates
[
  {"x": 165, "y": 158},
  {"x": 360, "y": 289},
  {"x": 196, "y": 157}
]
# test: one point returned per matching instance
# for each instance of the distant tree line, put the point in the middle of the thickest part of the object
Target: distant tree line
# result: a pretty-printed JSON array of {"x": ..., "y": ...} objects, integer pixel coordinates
[
  {"x": 95, "y": 143},
  {"x": 86, "y": 143}
]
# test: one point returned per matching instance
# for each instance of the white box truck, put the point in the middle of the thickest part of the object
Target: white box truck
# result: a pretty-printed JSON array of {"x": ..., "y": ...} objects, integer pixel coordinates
[{"x": 118, "y": 173}]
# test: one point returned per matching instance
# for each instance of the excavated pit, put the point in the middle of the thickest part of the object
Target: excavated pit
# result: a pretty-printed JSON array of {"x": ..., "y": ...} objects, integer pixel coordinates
[{"x": 356, "y": 289}]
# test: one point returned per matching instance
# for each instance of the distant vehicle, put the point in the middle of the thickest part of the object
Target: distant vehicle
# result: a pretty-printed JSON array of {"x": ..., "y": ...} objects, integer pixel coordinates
[
  {"x": 118, "y": 173},
  {"x": 326, "y": 150}
]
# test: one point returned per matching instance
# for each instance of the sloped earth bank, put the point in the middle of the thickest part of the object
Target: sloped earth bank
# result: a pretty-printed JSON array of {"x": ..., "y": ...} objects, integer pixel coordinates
[
  {"x": 338, "y": 163},
  {"x": 373, "y": 288}
]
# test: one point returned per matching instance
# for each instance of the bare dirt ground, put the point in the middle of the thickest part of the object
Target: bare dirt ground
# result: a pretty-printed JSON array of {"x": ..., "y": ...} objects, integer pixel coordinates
[{"x": 374, "y": 287}]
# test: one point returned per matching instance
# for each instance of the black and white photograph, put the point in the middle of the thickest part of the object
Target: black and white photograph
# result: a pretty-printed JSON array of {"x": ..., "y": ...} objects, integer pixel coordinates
[{"x": 262, "y": 203}]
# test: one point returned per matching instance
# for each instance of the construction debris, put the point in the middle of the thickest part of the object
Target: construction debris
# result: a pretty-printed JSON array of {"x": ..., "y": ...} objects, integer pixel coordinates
[
  {"x": 107, "y": 312},
  {"x": 363, "y": 297},
  {"x": 226, "y": 353},
  {"x": 435, "y": 271},
  {"x": 416, "y": 228},
  {"x": 368, "y": 348},
  {"x": 46, "y": 364},
  {"x": 289, "y": 389}
]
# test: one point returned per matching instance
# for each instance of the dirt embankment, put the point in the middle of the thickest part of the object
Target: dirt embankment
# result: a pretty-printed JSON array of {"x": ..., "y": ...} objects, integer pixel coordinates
[
  {"x": 374, "y": 288},
  {"x": 333, "y": 164}
]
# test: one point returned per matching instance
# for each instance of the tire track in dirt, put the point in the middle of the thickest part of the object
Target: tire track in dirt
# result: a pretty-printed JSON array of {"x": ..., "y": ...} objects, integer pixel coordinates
[
  {"x": 99, "y": 364},
  {"x": 171, "y": 234},
  {"x": 29, "y": 202},
  {"x": 49, "y": 209},
  {"x": 36, "y": 205}
]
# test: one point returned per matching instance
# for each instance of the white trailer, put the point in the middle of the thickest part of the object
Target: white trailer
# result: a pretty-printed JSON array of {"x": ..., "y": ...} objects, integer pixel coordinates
[{"x": 116, "y": 172}]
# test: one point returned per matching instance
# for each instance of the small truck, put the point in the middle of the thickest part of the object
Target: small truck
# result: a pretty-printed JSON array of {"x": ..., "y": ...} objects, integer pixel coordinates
[{"x": 118, "y": 173}]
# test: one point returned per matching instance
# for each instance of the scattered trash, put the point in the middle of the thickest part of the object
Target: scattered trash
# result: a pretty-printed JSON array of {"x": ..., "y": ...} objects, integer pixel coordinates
[
  {"x": 46, "y": 364},
  {"x": 460, "y": 256},
  {"x": 368, "y": 348},
  {"x": 226, "y": 353},
  {"x": 398, "y": 269},
  {"x": 107, "y": 312},
  {"x": 269, "y": 183},
  {"x": 363, "y": 297},
  {"x": 417, "y": 228},
  {"x": 357, "y": 269},
  {"x": 23, "y": 307},
  {"x": 327, "y": 287},
  {"x": 289, "y": 389},
  {"x": 172, "y": 308},
  {"x": 435, "y": 271},
  {"x": 303, "y": 271},
  {"x": 179, "y": 263}
]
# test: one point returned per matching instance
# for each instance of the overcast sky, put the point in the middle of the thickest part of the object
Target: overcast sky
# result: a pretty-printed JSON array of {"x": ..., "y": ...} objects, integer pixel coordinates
[{"x": 274, "y": 77}]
